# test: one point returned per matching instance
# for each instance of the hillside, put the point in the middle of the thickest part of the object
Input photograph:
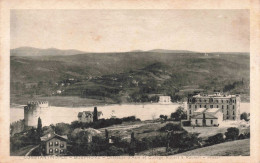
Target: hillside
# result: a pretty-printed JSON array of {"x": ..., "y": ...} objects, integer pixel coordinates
[
  {"x": 233, "y": 148},
  {"x": 29, "y": 51},
  {"x": 129, "y": 77}
]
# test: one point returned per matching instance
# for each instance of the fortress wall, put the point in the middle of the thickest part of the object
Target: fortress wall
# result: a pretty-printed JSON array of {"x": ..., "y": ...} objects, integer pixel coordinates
[{"x": 33, "y": 111}]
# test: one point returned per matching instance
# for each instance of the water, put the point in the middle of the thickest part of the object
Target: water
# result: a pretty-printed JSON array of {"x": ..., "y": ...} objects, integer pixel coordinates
[{"x": 55, "y": 115}]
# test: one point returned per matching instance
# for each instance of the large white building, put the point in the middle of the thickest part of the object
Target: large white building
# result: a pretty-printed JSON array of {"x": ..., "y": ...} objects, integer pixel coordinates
[{"x": 228, "y": 104}]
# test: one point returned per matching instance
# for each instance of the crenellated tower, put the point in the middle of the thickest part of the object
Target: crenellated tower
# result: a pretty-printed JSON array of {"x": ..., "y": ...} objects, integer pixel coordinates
[{"x": 32, "y": 112}]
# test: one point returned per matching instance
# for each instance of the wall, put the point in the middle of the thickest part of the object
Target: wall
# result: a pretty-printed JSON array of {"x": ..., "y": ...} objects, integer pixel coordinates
[{"x": 47, "y": 147}]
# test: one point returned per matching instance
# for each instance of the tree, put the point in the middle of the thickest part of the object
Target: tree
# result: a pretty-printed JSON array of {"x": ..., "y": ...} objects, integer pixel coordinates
[
  {"x": 39, "y": 128},
  {"x": 132, "y": 145},
  {"x": 106, "y": 133},
  {"x": 95, "y": 114},
  {"x": 232, "y": 133},
  {"x": 164, "y": 117},
  {"x": 179, "y": 114},
  {"x": 244, "y": 116}
]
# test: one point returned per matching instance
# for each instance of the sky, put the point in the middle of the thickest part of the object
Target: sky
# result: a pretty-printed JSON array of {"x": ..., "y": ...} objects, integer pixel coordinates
[{"x": 127, "y": 30}]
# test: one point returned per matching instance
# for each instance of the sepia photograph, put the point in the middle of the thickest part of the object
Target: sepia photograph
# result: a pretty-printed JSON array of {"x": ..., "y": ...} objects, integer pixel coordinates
[{"x": 129, "y": 82}]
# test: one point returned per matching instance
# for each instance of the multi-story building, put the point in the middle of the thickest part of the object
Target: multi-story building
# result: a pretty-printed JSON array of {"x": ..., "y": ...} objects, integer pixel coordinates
[
  {"x": 54, "y": 144},
  {"x": 229, "y": 104}
]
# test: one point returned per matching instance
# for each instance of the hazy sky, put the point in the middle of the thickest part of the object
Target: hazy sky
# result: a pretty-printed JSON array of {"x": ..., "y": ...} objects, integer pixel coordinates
[{"x": 126, "y": 30}]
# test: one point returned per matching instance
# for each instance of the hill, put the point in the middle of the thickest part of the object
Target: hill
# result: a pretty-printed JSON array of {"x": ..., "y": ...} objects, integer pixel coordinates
[
  {"x": 233, "y": 148},
  {"x": 29, "y": 51},
  {"x": 130, "y": 76}
]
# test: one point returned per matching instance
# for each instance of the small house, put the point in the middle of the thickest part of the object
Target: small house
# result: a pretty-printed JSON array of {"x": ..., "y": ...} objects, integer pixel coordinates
[
  {"x": 87, "y": 116},
  {"x": 54, "y": 144}
]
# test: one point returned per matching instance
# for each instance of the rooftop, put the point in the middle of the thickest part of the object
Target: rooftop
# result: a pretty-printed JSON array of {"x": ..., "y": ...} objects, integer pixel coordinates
[
  {"x": 200, "y": 110},
  {"x": 52, "y": 135}
]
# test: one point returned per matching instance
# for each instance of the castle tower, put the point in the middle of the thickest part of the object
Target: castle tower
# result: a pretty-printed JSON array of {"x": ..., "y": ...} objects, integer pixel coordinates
[{"x": 33, "y": 111}]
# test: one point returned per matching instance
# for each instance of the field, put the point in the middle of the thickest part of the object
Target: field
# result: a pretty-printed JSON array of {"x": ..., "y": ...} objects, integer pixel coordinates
[{"x": 233, "y": 148}]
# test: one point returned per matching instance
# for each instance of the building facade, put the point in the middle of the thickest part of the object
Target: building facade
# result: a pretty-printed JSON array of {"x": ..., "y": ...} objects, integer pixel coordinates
[
  {"x": 228, "y": 104},
  {"x": 207, "y": 117},
  {"x": 165, "y": 100},
  {"x": 54, "y": 144},
  {"x": 87, "y": 116},
  {"x": 33, "y": 111}
]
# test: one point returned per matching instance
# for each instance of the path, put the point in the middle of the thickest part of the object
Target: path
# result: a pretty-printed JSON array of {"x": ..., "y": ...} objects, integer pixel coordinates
[{"x": 30, "y": 151}]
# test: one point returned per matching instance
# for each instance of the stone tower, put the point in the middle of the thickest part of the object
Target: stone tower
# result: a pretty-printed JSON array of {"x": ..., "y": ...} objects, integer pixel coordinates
[{"x": 33, "y": 111}]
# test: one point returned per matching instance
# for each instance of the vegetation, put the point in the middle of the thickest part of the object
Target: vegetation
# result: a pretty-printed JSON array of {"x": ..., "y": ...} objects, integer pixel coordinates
[
  {"x": 232, "y": 133},
  {"x": 179, "y": 114},
  {"x": 132, "y": 77},
  {"x": 218, "y": 138},
  {"x": 95, "y": 114},
  {"x": 244, "y": 116}
]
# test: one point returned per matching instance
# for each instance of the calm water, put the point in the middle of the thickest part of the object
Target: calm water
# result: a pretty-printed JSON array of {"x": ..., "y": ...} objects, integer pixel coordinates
[
  {"x": 64, "y": 114},
  {"x": 55, "y": 115}
]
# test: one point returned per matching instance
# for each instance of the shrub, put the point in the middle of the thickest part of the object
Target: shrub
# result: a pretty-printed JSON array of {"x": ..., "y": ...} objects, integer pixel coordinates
[
  {"x": 232, "y": 133},
  {"x": 218, "y": 138},
  {"x": 179, "y": 114},
  {"x": 171, "y": 127}
]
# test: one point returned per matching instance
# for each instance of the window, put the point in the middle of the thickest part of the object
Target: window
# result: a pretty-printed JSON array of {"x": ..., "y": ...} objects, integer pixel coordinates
[
  {"x": 205, "y": 100},
  {"x": 61, "y": 145},
  {"x": 217, "y": 106},
  {"x": 50, "y": 144},
  {"x": 195, "y": 106},
  {"x": 196, "y": 121},
  {"x": 50, "y": 150},
  {"x": 205, "y": 106},
  {"x": 222, "y": 106},
  {"x": 56, "y": 143},
  {"x": 233, "y": 106},
  {"x": 227, "y": 106},
  {"x": 200, "y": 106},
  {"x": 61, "y": 151},
  {"x": 56, "y": 150},
  {"x": 217, "y": 101},
  {"x": 190, "y": 111},
  {"x": 233, "y": 118},
  {"x": 227, "y": 117},
  {"x": 227, "y": 112},
  {"x": 227, "y": 101},
  {"x": 200, "y": 100},
  {"x": 211, "y": 106},
  {"x": 211, "y": 121},
  {"x": 190, "y": 106},
  {"x": 222, "y": 101},
  {"x": 233, "y": 113},
  {"x": 235, "y": 101}
]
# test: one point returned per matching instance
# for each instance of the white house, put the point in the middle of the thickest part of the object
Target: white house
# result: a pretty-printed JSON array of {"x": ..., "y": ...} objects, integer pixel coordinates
[{"x": 165, "y": 100}]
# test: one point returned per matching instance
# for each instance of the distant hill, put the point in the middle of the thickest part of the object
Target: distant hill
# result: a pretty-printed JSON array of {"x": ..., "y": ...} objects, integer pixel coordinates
[
  {"x": 129, "y": 76},
  {"x": 29, "y": 51}
]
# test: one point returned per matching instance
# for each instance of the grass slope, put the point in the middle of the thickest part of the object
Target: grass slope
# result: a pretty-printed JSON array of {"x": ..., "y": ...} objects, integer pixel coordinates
[{"x": 233, "y": 148}]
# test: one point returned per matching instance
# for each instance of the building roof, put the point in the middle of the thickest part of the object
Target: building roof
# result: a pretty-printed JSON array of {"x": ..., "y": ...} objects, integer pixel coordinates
[
  {"x": 89, "y": 113},
  {"x": 207, "y": 116},
  {"x": 213, "y": 110},
  {"x": 221, "y": 96},
  {"x": 200, "y": 110},
  {"x": 52, "y": 135}
]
